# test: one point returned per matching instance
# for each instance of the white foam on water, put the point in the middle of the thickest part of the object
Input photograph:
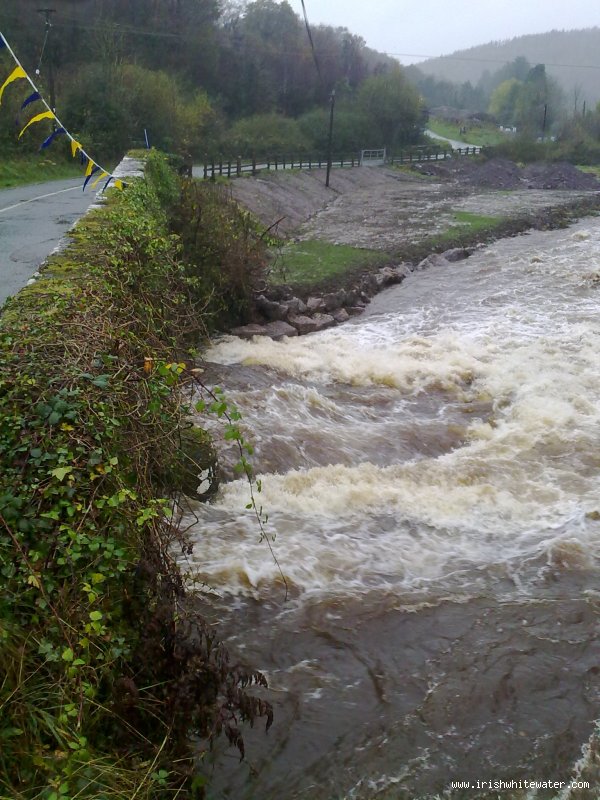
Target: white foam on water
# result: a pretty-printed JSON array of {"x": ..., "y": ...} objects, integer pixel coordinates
[
  {"x": 517, "y": 326},
  {"x": 413, "y": 365}
]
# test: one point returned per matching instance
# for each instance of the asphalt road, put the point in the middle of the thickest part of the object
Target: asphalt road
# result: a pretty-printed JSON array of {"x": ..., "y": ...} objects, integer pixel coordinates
[
  {"x": 33, "y": 220},
  {"x": 454, "y": 143}
]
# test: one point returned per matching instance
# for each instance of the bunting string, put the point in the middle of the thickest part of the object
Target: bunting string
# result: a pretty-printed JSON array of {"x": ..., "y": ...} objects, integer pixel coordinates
[{"x": 91, "y": 167}]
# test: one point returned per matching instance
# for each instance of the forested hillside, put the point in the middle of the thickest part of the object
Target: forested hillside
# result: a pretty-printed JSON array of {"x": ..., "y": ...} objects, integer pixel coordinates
[
  {"x": 571, "y": 57},
  {"x": 203, "y": 77}
]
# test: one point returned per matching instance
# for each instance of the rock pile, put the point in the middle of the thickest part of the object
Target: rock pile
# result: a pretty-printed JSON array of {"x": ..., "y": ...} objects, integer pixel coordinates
[{"x": 293, "y": 316}]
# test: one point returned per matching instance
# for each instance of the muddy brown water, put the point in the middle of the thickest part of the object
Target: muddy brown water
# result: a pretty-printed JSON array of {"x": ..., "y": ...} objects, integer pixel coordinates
[{"x": 431, "y": 475}]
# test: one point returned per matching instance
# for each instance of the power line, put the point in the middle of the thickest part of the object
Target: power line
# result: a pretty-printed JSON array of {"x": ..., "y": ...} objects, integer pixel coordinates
[
  {"x": 485, "y": 60},
  {"x": 310, "y": 39},
  {"x": 130, "y": 29}
]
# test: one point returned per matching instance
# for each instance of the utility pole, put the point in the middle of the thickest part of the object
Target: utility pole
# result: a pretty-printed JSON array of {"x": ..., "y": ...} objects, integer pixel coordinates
[
  {"x": 544, "y": 122},
  {"x": 330, "y": 140},
  {"x": 51, "y": 87}
]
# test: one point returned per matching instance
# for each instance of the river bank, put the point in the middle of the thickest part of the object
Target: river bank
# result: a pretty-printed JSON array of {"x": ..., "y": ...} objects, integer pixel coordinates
[
  {"x": 430, "y": 471},
  {"x": 106, "y": 671},
  {"x": 397, "y": 219}
]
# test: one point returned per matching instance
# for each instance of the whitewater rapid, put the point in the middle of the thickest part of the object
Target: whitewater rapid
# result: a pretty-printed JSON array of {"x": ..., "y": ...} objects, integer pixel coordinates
[{"x": 440, "y": 452}]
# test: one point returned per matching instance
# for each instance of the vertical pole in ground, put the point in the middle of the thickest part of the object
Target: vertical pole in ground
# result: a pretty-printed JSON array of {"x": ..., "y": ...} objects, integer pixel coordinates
[
  {"x": 544, "y": 123},
  {"x": 330, "y": 139}
]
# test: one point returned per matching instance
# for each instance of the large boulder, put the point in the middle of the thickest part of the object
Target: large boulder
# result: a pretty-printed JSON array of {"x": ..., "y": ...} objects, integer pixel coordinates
[
  {"x": 323, "y": 321},
  {"x": 315, "y": 305},
  {"x": 271, "y": 309},
  {"x": 433, "y": 260},
  {"x": 334, "y": 300},
  {"x": 294, "y": 306},
  {"x": 340, "y": 315},
  {"x": 277, "y": 330},
  {"x": 457, "y": 253},
  {"x": 303, "y": 324},
  {"x": 248, "y": 331}
]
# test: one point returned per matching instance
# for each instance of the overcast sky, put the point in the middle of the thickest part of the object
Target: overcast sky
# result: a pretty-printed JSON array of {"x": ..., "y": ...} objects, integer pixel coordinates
[{"x": 437, "y": 27}]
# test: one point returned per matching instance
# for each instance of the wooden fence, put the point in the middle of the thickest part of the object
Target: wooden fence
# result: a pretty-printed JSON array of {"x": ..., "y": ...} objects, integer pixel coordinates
[{"x": 233, "y": 168}]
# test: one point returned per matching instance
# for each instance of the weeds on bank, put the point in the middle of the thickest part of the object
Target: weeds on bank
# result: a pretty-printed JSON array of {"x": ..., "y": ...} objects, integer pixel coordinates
[{"x": 105, "y": 669}]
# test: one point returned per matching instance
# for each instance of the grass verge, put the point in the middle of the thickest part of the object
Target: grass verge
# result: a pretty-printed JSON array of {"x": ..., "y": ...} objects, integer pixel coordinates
[{"x": 19, "y": 172}]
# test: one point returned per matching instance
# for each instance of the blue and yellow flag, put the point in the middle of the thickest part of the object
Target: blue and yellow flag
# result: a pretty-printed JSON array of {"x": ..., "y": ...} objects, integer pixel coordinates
[
  {"x": 15, "y": 75},
  {"x": 37, "y": 118}
]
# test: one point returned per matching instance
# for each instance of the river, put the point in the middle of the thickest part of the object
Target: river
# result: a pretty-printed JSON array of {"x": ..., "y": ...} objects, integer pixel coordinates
[{"x": 431, "y": 474}]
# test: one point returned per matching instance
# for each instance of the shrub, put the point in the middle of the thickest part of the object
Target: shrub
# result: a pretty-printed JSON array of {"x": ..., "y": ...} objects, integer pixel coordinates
[
  {"x": 265, "y": 135},
  {"x": 106, "y": 670}
]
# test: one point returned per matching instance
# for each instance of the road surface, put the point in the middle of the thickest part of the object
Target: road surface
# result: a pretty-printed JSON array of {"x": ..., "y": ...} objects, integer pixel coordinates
[
  {"x": 33, "y": 220},
  {"x": 454, "y": 143}
]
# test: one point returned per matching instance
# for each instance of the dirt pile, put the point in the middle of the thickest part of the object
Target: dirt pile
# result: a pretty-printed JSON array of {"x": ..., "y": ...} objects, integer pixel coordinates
[
  {"x": 561, "y": 175},
  {"x": 499, "y": 173}
]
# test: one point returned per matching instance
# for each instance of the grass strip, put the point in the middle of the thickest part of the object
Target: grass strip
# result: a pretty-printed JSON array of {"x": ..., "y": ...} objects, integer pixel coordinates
[
  {"x": 315, "y": 262},
  {"x": 22, "y": 171}
]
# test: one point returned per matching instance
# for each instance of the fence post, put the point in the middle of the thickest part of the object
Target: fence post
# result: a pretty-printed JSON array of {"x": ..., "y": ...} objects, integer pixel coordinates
[
  {"x": 319, "y": 162},
  {"x": 310, "y": 162},
  {"x": 239, "y": 166},
  {"x": 253, "y": 164},
  {"x": 212, "y": 171},
  {"x": 275, "y": 163},
  {"x": 205, "y": 170},
  {"x": 229, "y": 169}
]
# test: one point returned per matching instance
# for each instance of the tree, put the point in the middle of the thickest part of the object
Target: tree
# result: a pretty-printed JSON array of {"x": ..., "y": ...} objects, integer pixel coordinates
[
  {"x": 394, "y": 107},
  {"x": 539, "y": 103},
  {"x": 266, "y": 135},
  {"x": 503, "y": 102}
]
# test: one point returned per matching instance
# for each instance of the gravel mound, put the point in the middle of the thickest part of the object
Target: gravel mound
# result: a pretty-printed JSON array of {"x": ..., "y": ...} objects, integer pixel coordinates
[
  {"x": 499, "y": 173},
  {"x": 558, "y": 176}
]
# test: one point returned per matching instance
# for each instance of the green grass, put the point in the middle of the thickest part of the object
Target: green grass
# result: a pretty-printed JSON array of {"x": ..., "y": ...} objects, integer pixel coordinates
[
  {"x": 33, "y": 169},
  {"x": 465, "y": 231},
  {"x": 593, "y": 170},
  {"x": 475, "y": 222},
  {"x": 315, "y": 262},
  {"x": 484, "y": 135}
]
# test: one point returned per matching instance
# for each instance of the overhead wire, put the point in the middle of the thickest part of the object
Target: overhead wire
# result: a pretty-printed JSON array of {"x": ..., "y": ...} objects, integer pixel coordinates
[
  {"x": 135, "y": 31},
  {"x": 39, "y": 66},
  {"x": 92, "y": 166},
  {"x": 312, "y": 44}
]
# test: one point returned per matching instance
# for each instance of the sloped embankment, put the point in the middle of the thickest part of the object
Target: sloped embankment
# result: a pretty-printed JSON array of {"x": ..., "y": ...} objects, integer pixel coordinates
[
  {"x": 392, "y": 210},
  {"x": 391, "y": 222}
]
